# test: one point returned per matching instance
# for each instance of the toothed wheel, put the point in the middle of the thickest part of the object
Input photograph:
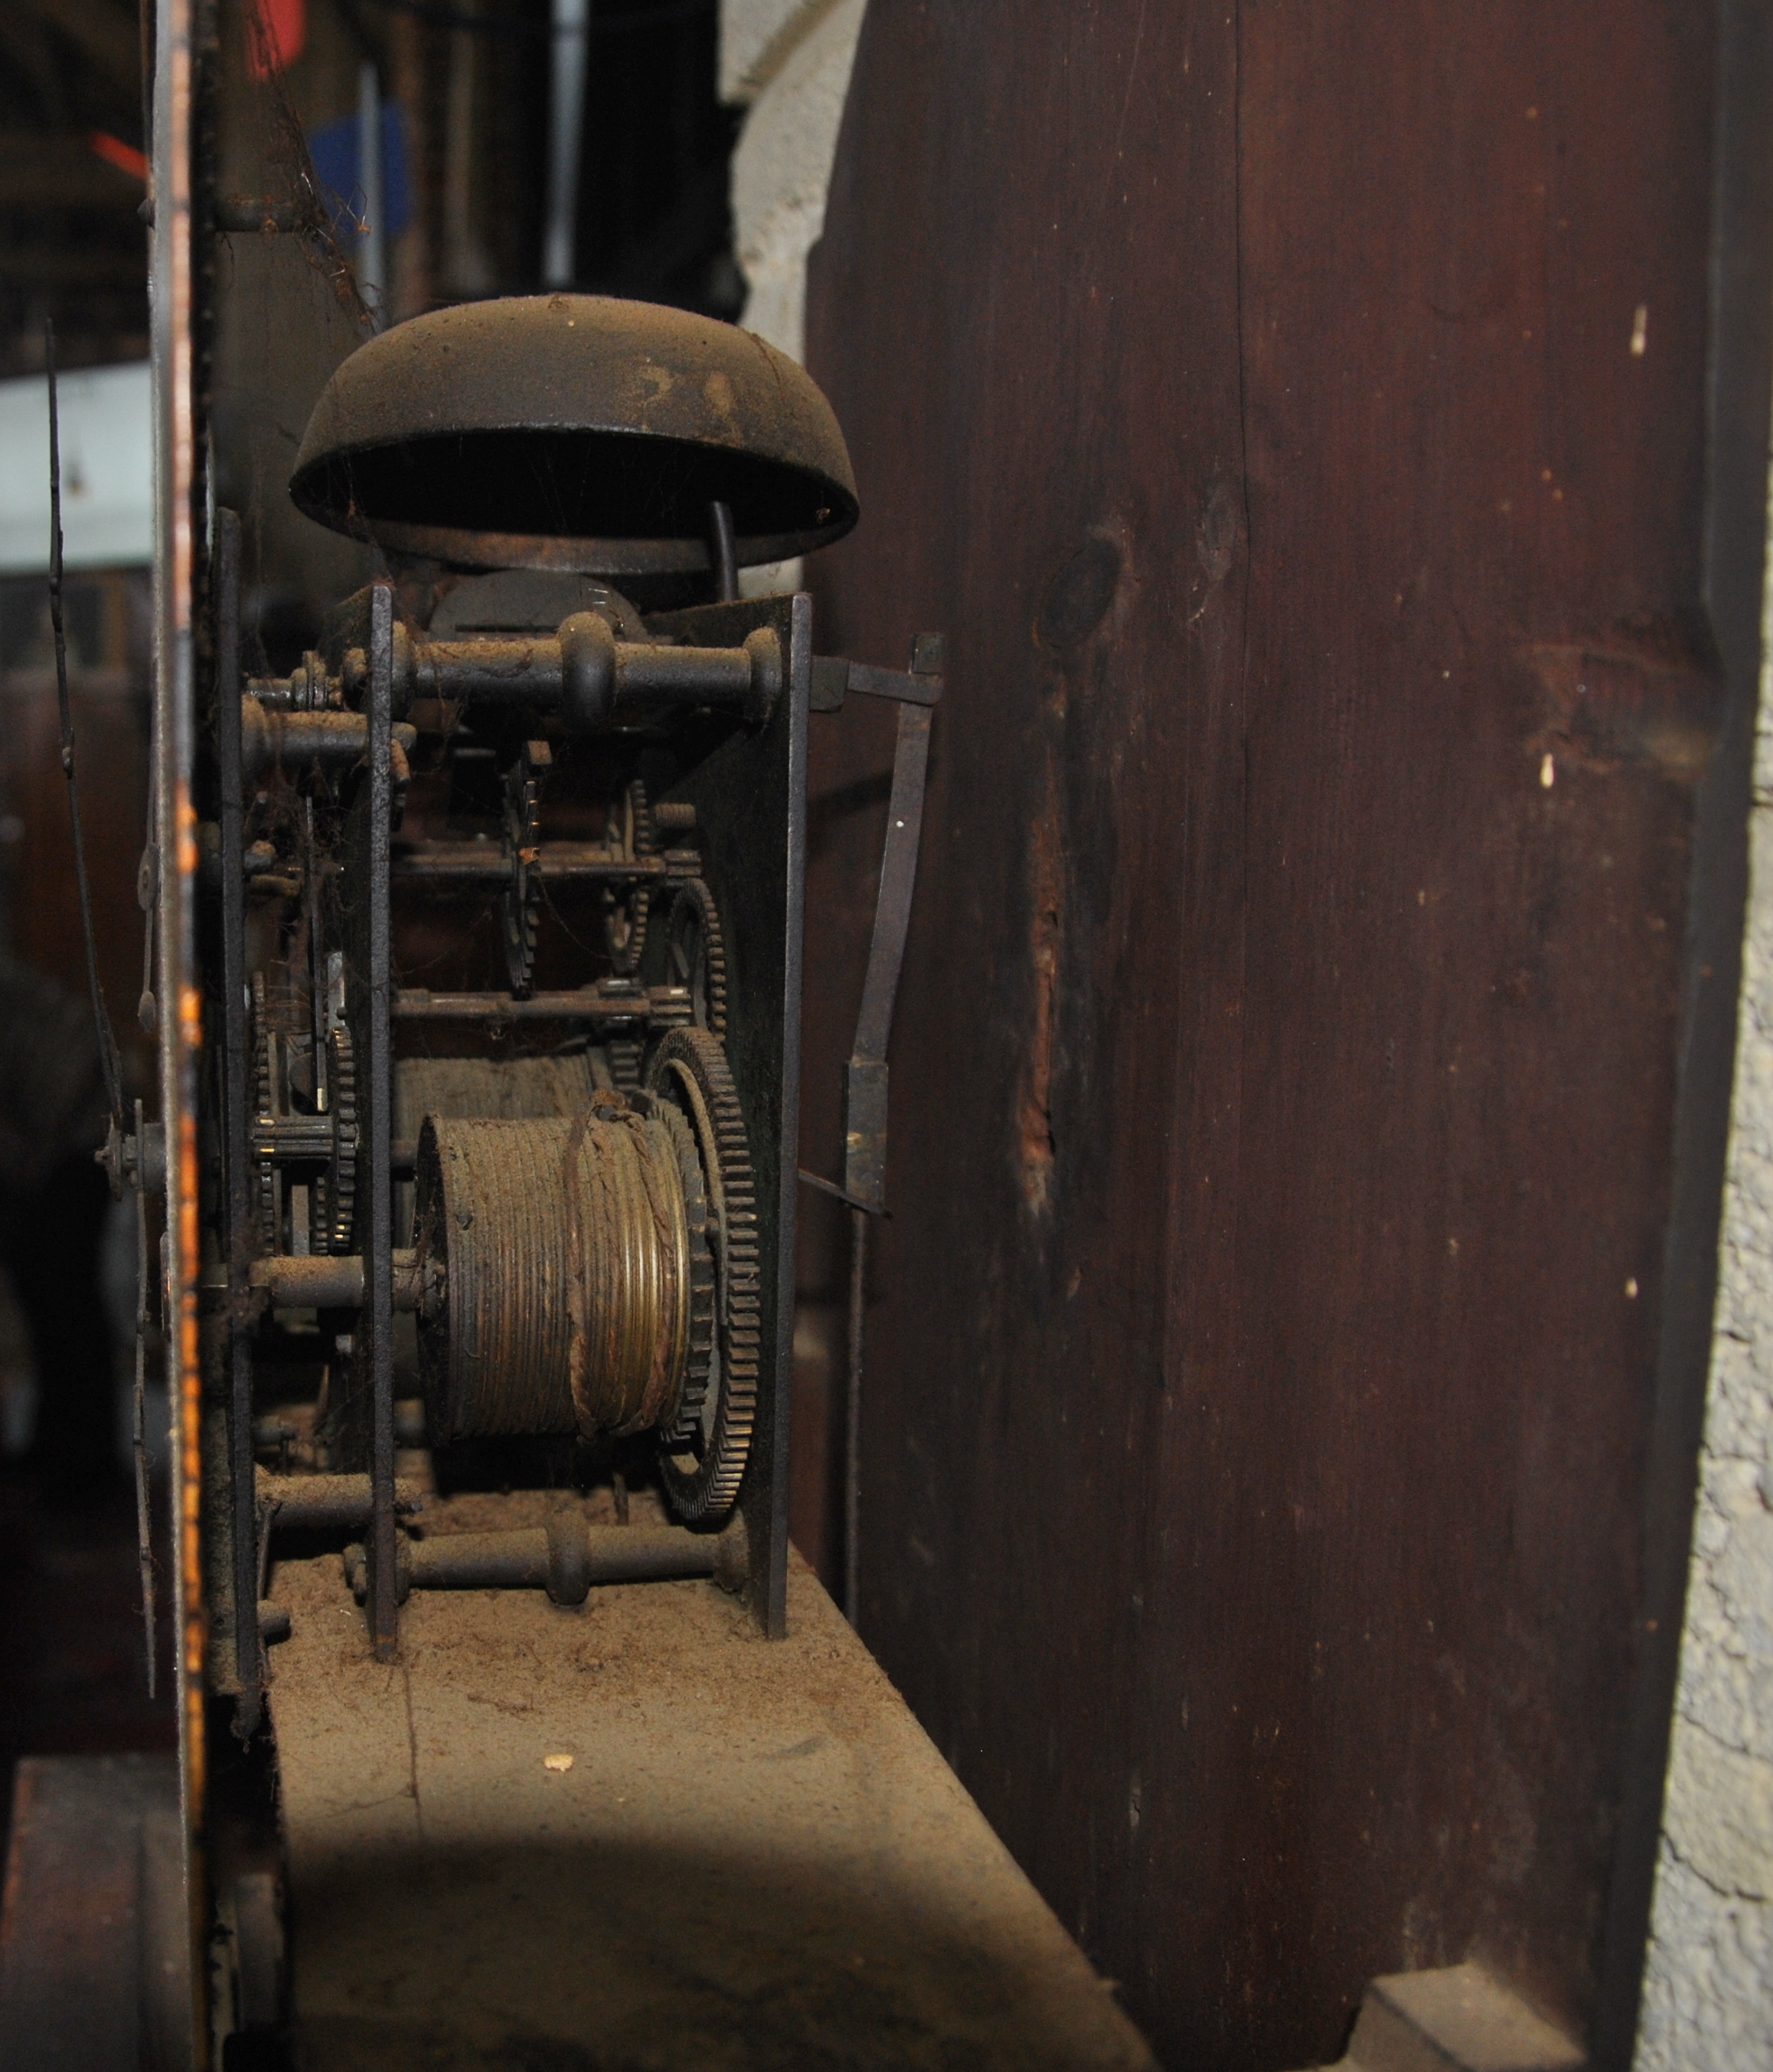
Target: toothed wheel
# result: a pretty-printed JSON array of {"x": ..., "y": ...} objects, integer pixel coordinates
[
  {"x": 632, "y": 834},
  {"x": 523, "y": 893},
  {"x": 336, "y": 1195},
  {"x": 702, "y": 1458},
  {"x": 625, "y": 1054},
  {"x": 264, "y": 1113},
  {"x": 678, "y": 1428},
  {"x": 696, "y": 953},
  {"x": 289, "y": 1140}
]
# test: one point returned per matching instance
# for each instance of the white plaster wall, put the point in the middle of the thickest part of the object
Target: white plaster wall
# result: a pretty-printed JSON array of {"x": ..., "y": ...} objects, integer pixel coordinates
[
  {"x": 791, "y": 61},
  {"x": 755, "y": 38},
  {"x": 798, "y": 74},
  {"x": 1707, "y": 2003}
]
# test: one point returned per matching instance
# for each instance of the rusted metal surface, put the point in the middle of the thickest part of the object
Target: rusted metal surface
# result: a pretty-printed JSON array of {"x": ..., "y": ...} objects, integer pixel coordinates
[
  {"x": 588, "y": 1003},
  {"x": 335, "y": 1281},
  {"x": 562, "y": 862},
  {"x": 1309, "y": 1086},
  {"x": 582, "y": 672},
  {"x": 565, "y": 1557},
  {"x": 177, "y": 548},
  {"x": 865, "y": 1077},
  {"x": 574, "y": 432},
  {"x": 271, "y": 740},
  {"x": 321, "y": 1503}
]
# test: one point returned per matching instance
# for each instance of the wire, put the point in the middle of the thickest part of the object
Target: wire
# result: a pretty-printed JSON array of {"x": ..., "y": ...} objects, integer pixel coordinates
[{"x": 107, "y": 1058}]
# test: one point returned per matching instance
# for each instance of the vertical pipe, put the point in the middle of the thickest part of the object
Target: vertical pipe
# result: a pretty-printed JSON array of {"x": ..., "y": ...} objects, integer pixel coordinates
[
  {"x": 378, "y": 1249},
  {"x": 852, "y": 1421},
  {"x": 244, "y": 1506},
  {"x": 371, "y": 246},
  {"x": 571, "y": 27},
  {"x": 723, "y": 553}
]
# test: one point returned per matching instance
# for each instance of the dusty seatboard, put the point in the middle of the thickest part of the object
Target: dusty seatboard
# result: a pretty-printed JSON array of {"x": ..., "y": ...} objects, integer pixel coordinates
[{"x": 755, "y": 1855}]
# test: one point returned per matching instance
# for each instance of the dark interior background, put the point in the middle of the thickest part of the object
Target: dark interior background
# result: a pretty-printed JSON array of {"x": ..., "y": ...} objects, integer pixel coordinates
[
  {"x": 1286, "y": 1348},
  {"x": 470, "y": 83}
]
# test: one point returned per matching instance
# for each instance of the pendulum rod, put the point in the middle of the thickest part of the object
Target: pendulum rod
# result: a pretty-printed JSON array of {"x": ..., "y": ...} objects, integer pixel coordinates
[{"x": 378, "y": 1250}]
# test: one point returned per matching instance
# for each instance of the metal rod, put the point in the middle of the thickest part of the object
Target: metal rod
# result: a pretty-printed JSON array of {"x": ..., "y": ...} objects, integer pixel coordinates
[
  {"x": 566, "y": 1558},
  {"x": 570, "y": 23},
  {"x": 235, "y": 1123},
  {"x": 722, "y": 556},
  {"x": 372, "y": 240},
  {"x": 556, "y": 863},
  {"x": 266, "y": 739},
  {"x": 865, "y": 1082},
  {"x": 326, "y": 1503},
  {"x": 909, "y": 687},
  {"x": 852, "y": 1433},
  {"x": 830, "y": 1187},
  {"x": 317, "y": 955},
  {"x": 582, "y": 671},
  {"x": 422, "y": 1006},
  {"x": 144, "y": 1551},
  {"x": 378, "y": 1251},
  {"x": 865, "y": 1077},
  {"x": 330, "y": 1280},
  {"x": 898, "y": 879}
]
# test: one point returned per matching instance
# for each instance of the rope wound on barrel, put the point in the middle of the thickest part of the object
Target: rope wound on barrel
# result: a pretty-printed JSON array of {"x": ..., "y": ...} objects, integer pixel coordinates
[
  {"x": 567, "y": 1256},
  {"x": 630, "y": 1300}
]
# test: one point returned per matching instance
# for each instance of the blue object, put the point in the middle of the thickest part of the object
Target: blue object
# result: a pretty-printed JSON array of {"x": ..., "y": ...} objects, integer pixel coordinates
[{"x": 332, "y": 149}]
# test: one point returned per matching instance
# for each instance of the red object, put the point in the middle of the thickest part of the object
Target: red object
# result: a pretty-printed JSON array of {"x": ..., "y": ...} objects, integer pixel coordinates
[
  {"x": 276, "y": 34},
  {"x": 125, "y": 157}
]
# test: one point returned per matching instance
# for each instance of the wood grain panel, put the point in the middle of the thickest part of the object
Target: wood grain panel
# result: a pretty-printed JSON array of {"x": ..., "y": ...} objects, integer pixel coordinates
[{"x": 1297, "y": 420}]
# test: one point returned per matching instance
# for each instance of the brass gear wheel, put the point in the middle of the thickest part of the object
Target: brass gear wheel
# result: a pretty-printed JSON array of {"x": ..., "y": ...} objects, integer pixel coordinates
[
  {"x": 703, "y": 1457},
  {"x": 678, "y": 1427}
]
